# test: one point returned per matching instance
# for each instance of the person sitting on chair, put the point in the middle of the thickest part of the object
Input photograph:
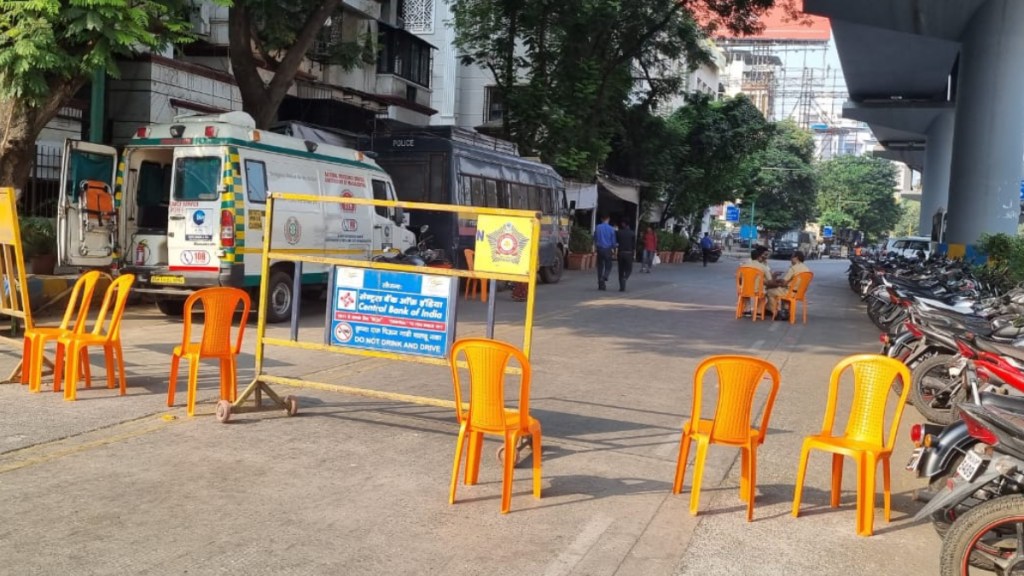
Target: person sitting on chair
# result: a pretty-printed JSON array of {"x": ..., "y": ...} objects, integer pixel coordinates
[{"x": 782, "y": 285}]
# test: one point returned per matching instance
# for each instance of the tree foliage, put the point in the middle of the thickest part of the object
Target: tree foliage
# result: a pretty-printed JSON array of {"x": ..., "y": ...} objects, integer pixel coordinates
[
  {"x": 566, "y": 70},
  {"x": 699, "y": 156},
  {"x": 720, "y": 137},
  {"x": 49, "y": 49},
  {"x": 782, "y": 181},
  {"x": 910, "y": 221},
  {"x": 859, "y": 191}
]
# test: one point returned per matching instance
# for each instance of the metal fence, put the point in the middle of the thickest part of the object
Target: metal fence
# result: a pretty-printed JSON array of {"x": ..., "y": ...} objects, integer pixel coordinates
[{"x": 41, "y": 195}]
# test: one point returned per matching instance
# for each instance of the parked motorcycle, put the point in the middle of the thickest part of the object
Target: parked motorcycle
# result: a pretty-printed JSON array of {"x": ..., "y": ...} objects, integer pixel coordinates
[
  {"x": 990, "y": 472},
  {"x": 418, "y": 255}
]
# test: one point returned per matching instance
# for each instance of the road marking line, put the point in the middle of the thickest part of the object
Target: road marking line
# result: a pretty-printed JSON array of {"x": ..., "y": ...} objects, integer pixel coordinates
[
  {"x": 757, "y": 345},
  {"x": 72, "y": 450},
  {"x": 581, "y": 545}
]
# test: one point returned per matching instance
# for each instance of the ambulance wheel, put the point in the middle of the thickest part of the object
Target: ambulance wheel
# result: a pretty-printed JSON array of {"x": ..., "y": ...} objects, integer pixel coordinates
[
  {"x": 279, "y": 297},
  {"x": 292, "y": 403},
  {"x": 172, "y": 308}
]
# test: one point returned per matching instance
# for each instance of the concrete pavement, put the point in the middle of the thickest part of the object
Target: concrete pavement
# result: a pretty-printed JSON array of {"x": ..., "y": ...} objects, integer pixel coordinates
[{"x": 112, "y": 485}]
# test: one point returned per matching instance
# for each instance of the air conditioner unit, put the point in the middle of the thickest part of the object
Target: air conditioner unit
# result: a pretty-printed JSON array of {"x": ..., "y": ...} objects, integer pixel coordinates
[{"x": 200, "y": 19}]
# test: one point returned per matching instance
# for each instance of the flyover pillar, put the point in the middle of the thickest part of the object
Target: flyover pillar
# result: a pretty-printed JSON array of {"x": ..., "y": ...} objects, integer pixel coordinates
[
  {"x": 937, "y": 157},
  {"x": 988, "y": 144}
]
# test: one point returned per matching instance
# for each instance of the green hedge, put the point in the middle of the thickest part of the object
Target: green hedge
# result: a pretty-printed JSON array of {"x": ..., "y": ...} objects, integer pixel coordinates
[{"x": 1005, "y": 266}]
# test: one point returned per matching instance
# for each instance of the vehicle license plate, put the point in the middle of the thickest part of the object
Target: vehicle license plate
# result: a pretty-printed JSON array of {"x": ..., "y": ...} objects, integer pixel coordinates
[
  {"x": 915, "y": 459},
  {"x": 968, "y": 469},
  {"x": 157, "y": 279}
]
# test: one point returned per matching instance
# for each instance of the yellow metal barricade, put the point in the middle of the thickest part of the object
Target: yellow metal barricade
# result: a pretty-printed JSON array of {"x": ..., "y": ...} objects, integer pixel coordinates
[
  {"x": 14, "y": 301},
  {"x": 511, "y": 229}
]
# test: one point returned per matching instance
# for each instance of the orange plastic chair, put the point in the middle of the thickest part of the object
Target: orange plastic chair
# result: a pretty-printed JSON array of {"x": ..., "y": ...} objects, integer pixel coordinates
[
  {"x": 472, "y": 284},
  {"x": 750, "y": 286},
  {"x": 738, "y": 380},
  {"x": 37, "y": 336},
  {"x": 797, "y": 292},
  {"x": 863, "y": 439},
  {"x": 487, "y": 414},
  {"x": 219, "y": 307},
  {"x": 72, "y": 348}
]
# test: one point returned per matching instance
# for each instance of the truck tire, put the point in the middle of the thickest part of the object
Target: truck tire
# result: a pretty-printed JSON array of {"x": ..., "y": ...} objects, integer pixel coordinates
[
  {"x": 172, "y": 308},
  {"x": 552, "y": 274},
  {"x": 279, "y": 297}
]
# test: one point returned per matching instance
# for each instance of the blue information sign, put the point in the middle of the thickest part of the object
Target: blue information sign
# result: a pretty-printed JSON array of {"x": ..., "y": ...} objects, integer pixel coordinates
[
  {"x": 826, "y": 232},
  {"x": 732, "y": 213},
  {"x": 400, "y": 312},
  {"x": 748, "y": 232}
]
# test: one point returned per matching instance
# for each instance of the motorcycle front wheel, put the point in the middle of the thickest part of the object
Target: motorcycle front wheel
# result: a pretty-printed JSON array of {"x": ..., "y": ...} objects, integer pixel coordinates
[{"x": 986, "y": 539}]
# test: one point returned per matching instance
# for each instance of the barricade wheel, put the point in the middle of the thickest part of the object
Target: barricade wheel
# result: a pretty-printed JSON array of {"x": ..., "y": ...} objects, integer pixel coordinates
[
  {"x": 223, "y": 411},
  {"x": 293, "y": 405},
  {"x": 524, "y": 441}
]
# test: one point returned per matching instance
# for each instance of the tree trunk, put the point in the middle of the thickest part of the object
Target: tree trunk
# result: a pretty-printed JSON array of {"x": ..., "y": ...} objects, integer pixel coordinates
[
  {"x": 20, "y": 125},
  {"x": 260, "y": 99}
]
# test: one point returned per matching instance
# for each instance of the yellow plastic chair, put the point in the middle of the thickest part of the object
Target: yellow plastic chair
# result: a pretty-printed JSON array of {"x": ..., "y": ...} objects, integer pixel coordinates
[
  {"x": 738, "y": 380},
  {"x": 796, "y": 292},
  {"x": 750, "y": 286},
  {"x": 473, "y": 284},
  {"x": 863, "y": 440},
  {"x": 72, "y": 348},
  {"x": 487, "y": 414},
  {"x": 76, "y": 313},
  {"x": 219, "y": 307}
]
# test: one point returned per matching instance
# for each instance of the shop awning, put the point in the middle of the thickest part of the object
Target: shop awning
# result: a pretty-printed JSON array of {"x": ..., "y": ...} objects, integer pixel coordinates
[
  {"x": 622, "y": 191},
  {"x": 583, "y": 194}
]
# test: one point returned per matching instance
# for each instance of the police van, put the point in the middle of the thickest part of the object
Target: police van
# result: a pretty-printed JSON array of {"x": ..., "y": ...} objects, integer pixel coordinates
[{"x": 184, "y": 207}]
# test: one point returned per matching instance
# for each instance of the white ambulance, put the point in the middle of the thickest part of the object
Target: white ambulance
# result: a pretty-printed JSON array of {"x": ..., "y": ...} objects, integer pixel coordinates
[{"x": 185, "y": 208}]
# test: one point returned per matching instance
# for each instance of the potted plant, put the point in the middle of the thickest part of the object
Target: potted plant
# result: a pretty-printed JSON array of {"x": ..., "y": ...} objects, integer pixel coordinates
[
  {"x": 581, "y": 245},
  {"x": 39, "y": 243},
  {"x": 665, "y": 240}
]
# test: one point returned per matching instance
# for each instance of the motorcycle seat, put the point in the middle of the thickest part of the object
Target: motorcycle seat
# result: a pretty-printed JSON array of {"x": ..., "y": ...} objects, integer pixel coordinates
[{"x": 1001, "y": 348}]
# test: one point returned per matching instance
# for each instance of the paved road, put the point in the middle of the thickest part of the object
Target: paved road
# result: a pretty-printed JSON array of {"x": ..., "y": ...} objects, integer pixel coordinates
[{"x": 112, "y": 485}]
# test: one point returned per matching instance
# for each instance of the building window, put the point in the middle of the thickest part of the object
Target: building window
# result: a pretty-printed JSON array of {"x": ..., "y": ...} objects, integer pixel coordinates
[
  {"x": 495, "y": 108},
  {"x": 404, "y": 55},
  {"x": 418, "y": 16}
]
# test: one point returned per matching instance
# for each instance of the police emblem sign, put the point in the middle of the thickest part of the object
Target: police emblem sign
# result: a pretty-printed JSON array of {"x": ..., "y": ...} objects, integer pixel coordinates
[{"x": 503, "y": 244}]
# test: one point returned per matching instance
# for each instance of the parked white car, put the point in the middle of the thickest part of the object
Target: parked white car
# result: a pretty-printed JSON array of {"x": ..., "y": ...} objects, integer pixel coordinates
[{"x": 909, "y": 246}]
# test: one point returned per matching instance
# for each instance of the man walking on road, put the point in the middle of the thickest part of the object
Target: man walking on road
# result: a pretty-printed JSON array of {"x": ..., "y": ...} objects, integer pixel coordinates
[
  {"x": 604, "y": 242},
  {"x": 650, "y": 248},
  {"x": 705, "y": 248},
  {"x": 626, "y": 240}
]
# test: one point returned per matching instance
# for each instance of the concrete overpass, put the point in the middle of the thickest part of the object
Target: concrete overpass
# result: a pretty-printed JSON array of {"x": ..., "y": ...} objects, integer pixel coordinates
[{"x": 940, "y": 84}]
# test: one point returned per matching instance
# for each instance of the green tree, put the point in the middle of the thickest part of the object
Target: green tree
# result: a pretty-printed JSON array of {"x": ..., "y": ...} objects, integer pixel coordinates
[
  {"x": 50, "y": 48},
  {"x": 719, "y": 140},
  {"x": 861, "y": 190},
  {"x": 782, "y": 180},
  {"x": 567, "y": 69},
  {"x": 910, "y": 221},
  {"x": 647, "y": 148}
]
